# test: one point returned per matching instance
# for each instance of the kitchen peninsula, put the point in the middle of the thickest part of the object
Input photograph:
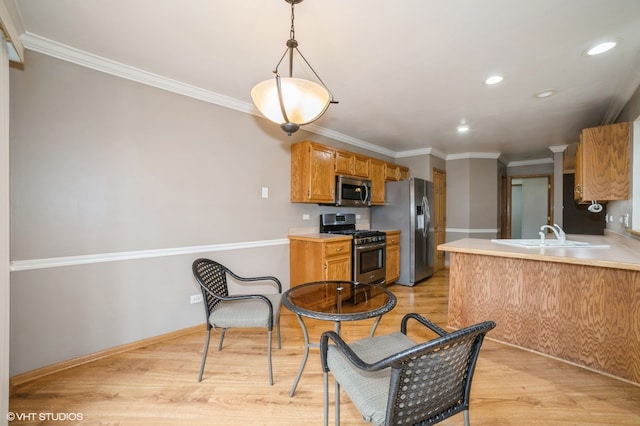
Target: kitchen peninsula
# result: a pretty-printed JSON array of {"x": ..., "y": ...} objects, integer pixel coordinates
[{"x": 581, "y": 305}]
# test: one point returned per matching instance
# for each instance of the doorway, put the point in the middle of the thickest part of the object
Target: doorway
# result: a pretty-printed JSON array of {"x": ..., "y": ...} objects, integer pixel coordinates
[
  {"x": 529, "y": 205},
  {"x": 439, "y": 178}
]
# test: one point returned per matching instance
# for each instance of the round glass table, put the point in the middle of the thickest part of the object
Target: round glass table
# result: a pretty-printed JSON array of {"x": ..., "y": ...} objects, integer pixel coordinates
[{"x": 336, "y": 301}]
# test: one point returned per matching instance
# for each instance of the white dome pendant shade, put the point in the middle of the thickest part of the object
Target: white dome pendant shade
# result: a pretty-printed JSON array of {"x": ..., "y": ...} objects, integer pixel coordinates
[
  {"x": 303, "y": 101},
  {"x": 288, "y": 101}
]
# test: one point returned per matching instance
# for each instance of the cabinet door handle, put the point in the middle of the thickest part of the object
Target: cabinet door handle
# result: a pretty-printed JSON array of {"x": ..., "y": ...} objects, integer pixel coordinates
[{"x": 339, "y": 249}]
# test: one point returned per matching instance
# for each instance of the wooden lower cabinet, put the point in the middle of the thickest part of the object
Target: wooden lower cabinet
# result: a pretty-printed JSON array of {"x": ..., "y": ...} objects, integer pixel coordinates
[
  {"x": 393, "y": 256},
  {"x": 318, "y": 259},
  {"x": 587, "y": 315}
]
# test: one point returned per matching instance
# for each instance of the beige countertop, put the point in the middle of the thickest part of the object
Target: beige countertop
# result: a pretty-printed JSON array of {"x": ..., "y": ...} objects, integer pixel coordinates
[
  {"x": 320, "y": 237},
  {"x": 623, "y": 253},
  {"x": 316, "y": 236}
]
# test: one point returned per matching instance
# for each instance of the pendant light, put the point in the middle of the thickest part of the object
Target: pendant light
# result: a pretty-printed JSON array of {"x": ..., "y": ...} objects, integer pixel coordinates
[{"x": 289, "y": 101}]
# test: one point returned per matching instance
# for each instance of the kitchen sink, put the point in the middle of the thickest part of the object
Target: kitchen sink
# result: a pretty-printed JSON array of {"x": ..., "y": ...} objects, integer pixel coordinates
[{"x": 536, "y": 243}]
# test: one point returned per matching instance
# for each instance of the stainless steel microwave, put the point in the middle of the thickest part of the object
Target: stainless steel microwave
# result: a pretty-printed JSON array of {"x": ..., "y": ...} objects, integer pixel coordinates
[{"x": 352, "y": 191}]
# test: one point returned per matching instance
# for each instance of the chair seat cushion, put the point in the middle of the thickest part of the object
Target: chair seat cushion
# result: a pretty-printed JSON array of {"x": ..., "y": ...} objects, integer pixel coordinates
[
  {"x": 368, "y": 390},
  {"x": 245, "y": 313}
]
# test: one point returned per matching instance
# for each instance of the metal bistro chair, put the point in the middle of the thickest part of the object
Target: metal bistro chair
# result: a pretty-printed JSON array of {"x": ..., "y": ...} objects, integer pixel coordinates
[
  {"x": 393, "y": 380},
  {"x": 225, "y": 311}
]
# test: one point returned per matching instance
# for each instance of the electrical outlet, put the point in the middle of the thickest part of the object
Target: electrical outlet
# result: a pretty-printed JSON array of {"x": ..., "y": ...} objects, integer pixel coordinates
[{"x": 196, "y": 298}]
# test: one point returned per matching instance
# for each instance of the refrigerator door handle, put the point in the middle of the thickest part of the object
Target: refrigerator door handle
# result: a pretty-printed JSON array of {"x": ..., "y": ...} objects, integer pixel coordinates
[
  {"x": 427, "y": 209},
  {"x": 427, "y": 213}
]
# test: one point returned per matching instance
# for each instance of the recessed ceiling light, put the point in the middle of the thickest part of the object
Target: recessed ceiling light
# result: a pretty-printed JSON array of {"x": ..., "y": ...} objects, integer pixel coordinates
[
  {"x": 601, "y": 48},
  {"x": 494, "y": 79},
  {"x": 545, "y": 93},
  {"x": 463, "y": 128}
]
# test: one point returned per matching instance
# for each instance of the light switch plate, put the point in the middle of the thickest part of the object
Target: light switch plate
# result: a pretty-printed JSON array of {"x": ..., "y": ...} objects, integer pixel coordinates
[{"x": 265, "y": 192}]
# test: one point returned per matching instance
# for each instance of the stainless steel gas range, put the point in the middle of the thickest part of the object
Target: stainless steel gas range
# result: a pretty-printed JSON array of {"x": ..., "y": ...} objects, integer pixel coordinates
[{"x": 368, "y": 248}]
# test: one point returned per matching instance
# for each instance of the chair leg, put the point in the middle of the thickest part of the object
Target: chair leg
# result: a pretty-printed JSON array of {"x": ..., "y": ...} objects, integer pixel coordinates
[
  {"x": 337, "y": 397},
  {"x": 224, "y": 330},
  {"x": 279, "y": 339},
  {"x": 326, "y": 398},
  {"x": 466, "y": 417},
  {"x": 204, "y": 353},
  {"x": 269, "y": 357}
]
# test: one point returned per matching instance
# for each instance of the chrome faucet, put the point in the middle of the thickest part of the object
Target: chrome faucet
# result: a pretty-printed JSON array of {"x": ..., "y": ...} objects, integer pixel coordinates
[
  {"x": 541, "y": 237},
  {"x": 557, "y": 230},
  {"x": 563, "y": 236}
]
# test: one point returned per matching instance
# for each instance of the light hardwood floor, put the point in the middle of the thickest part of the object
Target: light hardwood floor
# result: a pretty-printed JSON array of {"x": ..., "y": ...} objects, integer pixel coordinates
[{"x": 157, "y": 384}]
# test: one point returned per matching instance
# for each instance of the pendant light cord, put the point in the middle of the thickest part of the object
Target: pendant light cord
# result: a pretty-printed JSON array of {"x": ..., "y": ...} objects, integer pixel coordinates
[
  {"x": 292, "y": 31},
  {"x": 292, "y": 44}
]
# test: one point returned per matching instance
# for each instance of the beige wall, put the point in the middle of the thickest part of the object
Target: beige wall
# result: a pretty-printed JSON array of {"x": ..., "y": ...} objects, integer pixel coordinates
[
  {"x": 102, "y": 166},
  {"x": 5, "y": 290},
  {"x": 472, "y": 198},
  {"x": 422, "y": 166}
]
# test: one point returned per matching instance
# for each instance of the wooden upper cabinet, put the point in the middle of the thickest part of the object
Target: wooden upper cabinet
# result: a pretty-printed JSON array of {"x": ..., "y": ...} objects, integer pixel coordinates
[
  {"x": 376, "y": 174},
  {"x": 344, "y": 163},
  {"x": 395, "y": 172},
  {"x": 314, "y": 168},
  {"x": 569, "y": 158},
  {"x": 577, "y": 169},
  {"x": 391, "y": 171},
  {"x": 603, "y": 163},
  {"x": 361, "y": 165},
  {"x": 350, "y": 164},
  {"x": 312, "y": 173},
  {"x": 404, "y": 172}
]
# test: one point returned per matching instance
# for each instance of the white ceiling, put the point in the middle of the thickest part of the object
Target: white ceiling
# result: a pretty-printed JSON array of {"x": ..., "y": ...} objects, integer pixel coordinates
[{"x": 406, "y": 73}]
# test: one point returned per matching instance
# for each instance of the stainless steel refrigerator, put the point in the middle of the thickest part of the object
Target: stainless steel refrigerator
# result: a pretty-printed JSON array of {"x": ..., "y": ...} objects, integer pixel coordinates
[{"x": 409, "y": 208}]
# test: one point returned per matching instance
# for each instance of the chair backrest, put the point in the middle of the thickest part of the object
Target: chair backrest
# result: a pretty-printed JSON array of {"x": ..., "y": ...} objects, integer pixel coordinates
[
  {"x": 432, "y": 381},
  {"x": 211, "y": 276}
]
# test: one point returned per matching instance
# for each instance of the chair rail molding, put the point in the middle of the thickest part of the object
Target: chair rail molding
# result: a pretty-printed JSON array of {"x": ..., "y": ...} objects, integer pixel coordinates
[{"x": 53, "y": 262}]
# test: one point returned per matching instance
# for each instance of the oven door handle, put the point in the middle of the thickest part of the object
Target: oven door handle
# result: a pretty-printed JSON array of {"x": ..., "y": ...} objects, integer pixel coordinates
[{"x": 368, "y": 247}]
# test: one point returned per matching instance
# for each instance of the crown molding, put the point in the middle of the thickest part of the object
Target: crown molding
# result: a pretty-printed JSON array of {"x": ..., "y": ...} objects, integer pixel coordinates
[
  {"x": 11, "y": 26},
  {"x": 422, "y": 151},
  {"x": 558, "y": 148},
  {"x": 530, "y": 162},
  {"x": 57, "y": 50},
  {"x": 474, "y": 155},
  {"x": 322, "y": 131},
  {"x": 63, "y": 52}
]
